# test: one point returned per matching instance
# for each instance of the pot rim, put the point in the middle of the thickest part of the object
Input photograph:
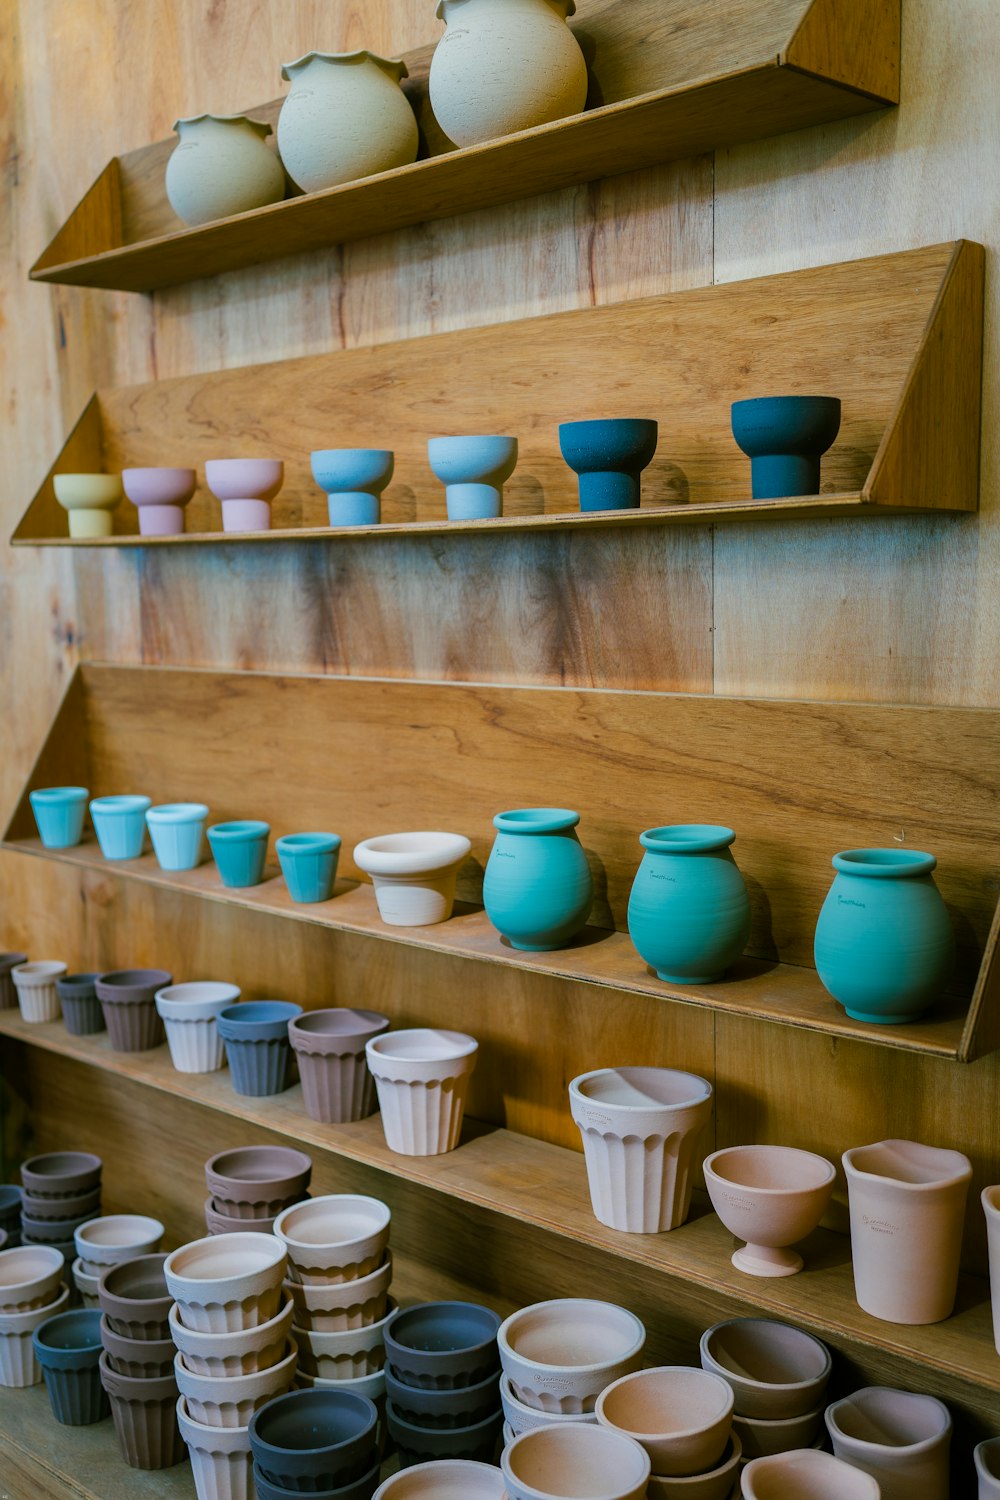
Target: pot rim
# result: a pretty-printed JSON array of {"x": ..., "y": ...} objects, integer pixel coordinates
[
  {"x": 261, "y": 126},
  {"x": 56, "y": 794},
  {"x": 884, "y": 864},
  {"x": 389, "y": 65},
  {"x": 702, "y": 1094},
  {"x": 636, "y": 1347},
  {"x": 307, "y": 843},
  {"x": 120, "y": 804},
  {"x": 452, "y": 1045},
  {"x": 536, "y": 820},
  {"x": 381, "y": 1219},
  {"x": 177, "y": 812},
  {"x": 554, "y": 1433},
  {"x": 38, "y": 973},
  {"x": 829, "y": 1175},
  {"x": 921, "y": 1445},
  {"x": 687, "y": 838},
  {"x": 960, "y": 1173},
  {"x": 570, "y": 7},
  {"x": 775, "y": 1387},
  {"x": 239, "y": 831},
  {"x": 425, "y": 852},
  {"x": 677, "y": 1434},
  {"x": 361, "y": 1406}
]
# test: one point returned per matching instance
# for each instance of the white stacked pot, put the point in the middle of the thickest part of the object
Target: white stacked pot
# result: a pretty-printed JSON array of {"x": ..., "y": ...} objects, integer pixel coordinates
[
  {"x": 108, "y": 1241},
  {"x": 230, "y": 1323},
  {"x": 31, "y": 1290},
  {"x": 35, "y": 984}
]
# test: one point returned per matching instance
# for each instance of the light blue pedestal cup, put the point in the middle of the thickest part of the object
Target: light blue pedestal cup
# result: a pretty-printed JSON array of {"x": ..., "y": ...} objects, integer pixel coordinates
[
  {"x": 309, "y": 864},
  {"x": 353, "y": 479},
  {"x": 474, "y": 471},
  {"x": 120, "y": 825},
  {"x": 177, "y": 831},
  {"x": 59, "y": 813},
  {"x": 240, "y": 851}
]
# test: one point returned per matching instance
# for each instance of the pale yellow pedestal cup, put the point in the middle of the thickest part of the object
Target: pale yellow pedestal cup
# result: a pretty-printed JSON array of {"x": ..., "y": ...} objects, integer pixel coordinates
[{"x": 89, "y": 499}]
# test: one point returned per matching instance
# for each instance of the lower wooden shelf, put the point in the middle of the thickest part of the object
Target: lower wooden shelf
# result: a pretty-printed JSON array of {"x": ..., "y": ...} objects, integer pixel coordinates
[
  {"x": 765, "y": 991},
  {"x": 544, "y": 1189}
]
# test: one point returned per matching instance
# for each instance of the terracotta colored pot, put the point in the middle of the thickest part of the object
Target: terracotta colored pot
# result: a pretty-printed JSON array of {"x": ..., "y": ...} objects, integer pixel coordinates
[
  {"x": 231, "y": 1400},
  {"x": 771, "y": 1196},
  {"x": 140, "y": 1359},
  {"x": 340, "y": 1237},
  {"x": 907, "y": 1214},
  {"x": 81, "y": 1010},
  {"x": 762, "y": 1436},
  {"x": 807, "y": 1475},
  {"x": 574, "y": 1462},
  {"x": 714, "y": 1484},
  {"x": 257, "y": 1182},
  {"x": 775, "y": 1370},
  {"x": 640, "y": 1129},
  {"x": 37, "y": 996},
  {"x": 8, "y": 994},
  {"x": 422, "y": 1077},
  {"x": 128, "y": 999},
  {"x": 337, "y": 1306},
  {"x": 228, "y": 1354},
  {"x": 559, "y": 1355},
  {"x": 330, "y": 1045},
  {"x": 61, "y": 1174},
  {"x": 902, "y": 1440},
  {"x": 681, "y": 1416},
  {"x": 226, "y": 1283},
  {"x": 134, "y": 1298},
  {"x": 991, "y": 1208},
  {"x": 19, "y": 1365},
  {"x": 145, "y": 1418}
]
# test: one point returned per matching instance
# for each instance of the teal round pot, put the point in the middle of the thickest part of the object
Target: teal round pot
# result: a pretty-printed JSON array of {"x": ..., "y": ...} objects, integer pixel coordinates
[
  {"x": 885, "y": 945},
  {"x": 309, "y": 864},
  {"x": 240, "y": 851},
  {"x": 609, "y": 457},
  {"x": 177, "y": 830},
  {"x": 120, "y": 825},
  {"x": 537, "y": 889},
  {"x": 784, "y": 438},
  {"x": 68, "y": 1348},
  {"x": 59, "y": 813},
  {"x": 689, "y": 912},
  {"x": 257, "y": 1047}
]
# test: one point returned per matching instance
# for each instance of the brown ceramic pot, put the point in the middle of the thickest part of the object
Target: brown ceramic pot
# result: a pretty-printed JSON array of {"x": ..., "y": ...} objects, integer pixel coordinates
[
  {"x": 140, "y": 1359},
  {"x": 257, "y": 1182},
  {"x": 133, "y": 1297},
  {"x": 61, "y": 1174},
  {"x": 330, "y": 1045},
  {"x": 127, "y": 999},
  {"x": 145, "y": 1417},
  {"x": 8, "y": 994}
]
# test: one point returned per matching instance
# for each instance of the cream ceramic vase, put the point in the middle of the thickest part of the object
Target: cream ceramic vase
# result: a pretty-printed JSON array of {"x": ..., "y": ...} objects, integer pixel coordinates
[
  {"x": 345, "y": 117},
  {"x": 504, "y": 66},
  {"x": 222, "y": 166}
]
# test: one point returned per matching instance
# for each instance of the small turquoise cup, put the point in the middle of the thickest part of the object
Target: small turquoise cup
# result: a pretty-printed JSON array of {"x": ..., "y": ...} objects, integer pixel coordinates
[
  {"x": 309, "y": 865},
  {"x": 240, "y": 851},
  {"x": 120, "y": 825},
  {"x": 59, "y": 812},
  {"x": 177, "y": 830}
]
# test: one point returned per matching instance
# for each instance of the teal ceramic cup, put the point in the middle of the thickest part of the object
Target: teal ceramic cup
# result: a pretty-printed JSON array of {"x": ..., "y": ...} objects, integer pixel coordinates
[
  {"x": 240, "y": 851},
  {"x": 120, "y": 825},
  {"x": 537, "y": 889},
  {"x": 309, "y": 864},
  {"x": 689, "y": 912},
  {"x": 59, "y": 813},
  {"x": 177, "y": 830},
  {"x": 885, "y": 945},
  {"x": 353, "y": 479}
]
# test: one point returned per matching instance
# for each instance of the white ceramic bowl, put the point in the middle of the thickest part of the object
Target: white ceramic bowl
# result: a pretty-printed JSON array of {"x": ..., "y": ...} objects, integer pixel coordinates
[
  {"x": 521, "y": 1418},
  {"x": 575, "y": 1461},
  {"x": 347, "y": 1355},
  {"x": 341, "y": 1237},
  {"x": 558, "y": 1356},
  {"x": 117, "y": 1237},
  {"x": 775, "y": 1370},
  {"x": 231, "y": 1400},
  {"x": 446, "y": 1479},
  {"x": 336, "y": 1306},
  {"x": 243, "y": 1353},
  {"x": 761, "y": 1437},
  {"x": 680, "y": 1415},
  {"x": 30, "y": 1276},
  {"x": 413, "y": 874},
  {"x": 717, "y": 1484},
  {"x": 226, "y": 1282}
]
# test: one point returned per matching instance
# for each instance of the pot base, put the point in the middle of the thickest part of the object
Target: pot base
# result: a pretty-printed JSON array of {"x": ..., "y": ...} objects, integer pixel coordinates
[
  {"x": 875, "y": 1019},
  {"x": 689, "y": 978},
  {"x": 538, "y": 947},
  {"x": 762, "y": 1260}
]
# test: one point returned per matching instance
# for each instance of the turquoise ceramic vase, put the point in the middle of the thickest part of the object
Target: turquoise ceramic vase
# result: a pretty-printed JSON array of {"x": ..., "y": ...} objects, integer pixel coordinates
[
  {"x": 689, "y": 912},
  {"x": 885, "y": 946},
  {"x": 537, "y": 889}
]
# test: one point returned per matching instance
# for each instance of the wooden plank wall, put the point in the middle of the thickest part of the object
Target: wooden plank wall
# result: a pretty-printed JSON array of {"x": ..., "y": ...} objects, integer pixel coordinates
[{"x": 884, "y": 611}]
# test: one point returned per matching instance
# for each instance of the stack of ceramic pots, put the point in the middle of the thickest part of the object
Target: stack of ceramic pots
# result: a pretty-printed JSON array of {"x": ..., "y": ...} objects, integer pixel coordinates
[
  {"x": 68, "y": 1348},
  {"x": 778, "y": 1376},
  {"x": 683, "y": 1419},
  {"x": 324, "y": 1443},
  {"x": 560, "y": 1459},
  {"x": 101, "y": 1243},
  {"x": 558, "y": 1357},
  {"x": 339, "y": 1270},
  {"x": 249, "y": 1187},
  {"x": 35, "y": 984},
  {"x": 128, "y": 1000},
  {"x": 31, "y": 1291},
  {"x": 230, "y": 1321},
  {"x": 137, "y": 1366},
  {"x": 337, "y": 1086},
  {"x": 446, "y": 1479},
  {"x": 443, "y": 1383},
  {"x": 60, "y": 1192}
]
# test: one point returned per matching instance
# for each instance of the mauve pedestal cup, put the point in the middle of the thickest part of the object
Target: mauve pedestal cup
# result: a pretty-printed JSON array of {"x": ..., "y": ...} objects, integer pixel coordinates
[
  {"x": 257, "y": 1182},
  {"x": 35, "y": 984},
  {"x": 902, "y": 1440},
  {"x": 442, "y": 1346},
  {"x": 135, "y": 1299},
  {"x": 8, "y": 993},
  {"x": 145, "y": 1418},
  {"x": 417, "y": 1444},
  {"x": 775, "y": 1370},
  {"x": 221, "y": 1461},
  {"x": 772, "y": 1197},
  {"x": 314, "y": 1440},
  {"x": 422, "y": 1078},
  {"x": 81, "y": 1010},
  {"x": 257, "y": 1046},
  {"x": 575, "y": 1461},
  {"x": 128, "y": 1001},
  {"x": 987, "y": 1456},
  {"x": 808, "y": 1475},
  {"x": 68, "y": 1348},
  {"x": 991, "y": 1208},
  {"x": 337, "y": 1086},
  {"x": 907, "y": 1205},
  {"x": 61, "y": 1174},
  {"x": 640, "y": 1129}
]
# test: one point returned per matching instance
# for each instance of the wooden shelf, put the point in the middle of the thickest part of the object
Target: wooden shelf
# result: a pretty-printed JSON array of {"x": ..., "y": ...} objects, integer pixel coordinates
[
  {"x": 798, "y": 781},
  {"x": 897, "y": 338},
  {"x": 669, "y": 79},
  {"x": 543, "y": 1188}
]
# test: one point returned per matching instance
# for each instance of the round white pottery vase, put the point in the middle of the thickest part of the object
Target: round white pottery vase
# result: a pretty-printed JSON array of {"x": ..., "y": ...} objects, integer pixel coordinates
[
  {"x": 413, "y": 874},
  {"x": 640, "y": 1128},
  {"x": 504, "y": 66},
  {"x": 221, "y": 166},
  {"x": 345, "y": 117}
]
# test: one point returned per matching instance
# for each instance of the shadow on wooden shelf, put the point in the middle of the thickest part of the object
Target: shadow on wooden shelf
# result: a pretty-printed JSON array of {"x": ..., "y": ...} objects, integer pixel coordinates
[
  {"x": 667, "y": 81},
  {"x": 897, "y": 338},
  {"x": 797, "y": 781}
]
